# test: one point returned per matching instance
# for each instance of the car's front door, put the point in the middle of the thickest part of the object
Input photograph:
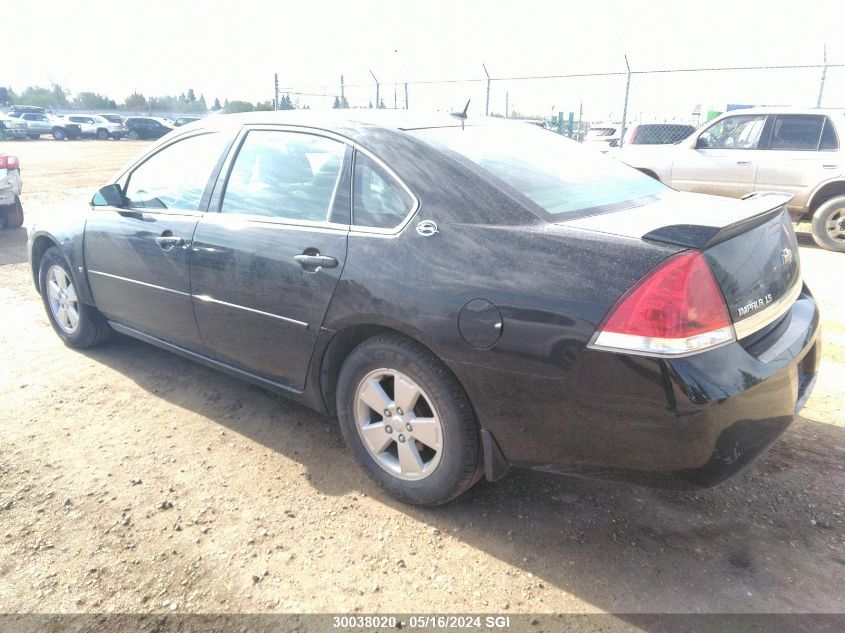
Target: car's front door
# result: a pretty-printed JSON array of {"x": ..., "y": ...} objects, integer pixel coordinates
[
  {"x": 722, "y": 160},
  {"x": 264, "y": 268},
  {"x": 137, "y": 254},
  {"x": 798, "y": 155}
]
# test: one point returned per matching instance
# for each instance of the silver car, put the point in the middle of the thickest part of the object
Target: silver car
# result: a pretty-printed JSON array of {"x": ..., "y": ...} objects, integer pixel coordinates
[{"x": 793, "y": 151}]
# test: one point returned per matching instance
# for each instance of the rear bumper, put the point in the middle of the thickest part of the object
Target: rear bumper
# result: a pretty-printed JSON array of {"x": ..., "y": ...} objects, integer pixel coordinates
[{"x": 682, "y": 423}]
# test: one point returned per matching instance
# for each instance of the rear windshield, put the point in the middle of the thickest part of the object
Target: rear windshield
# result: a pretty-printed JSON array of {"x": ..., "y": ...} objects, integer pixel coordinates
[{"x": 561, "y": 176}]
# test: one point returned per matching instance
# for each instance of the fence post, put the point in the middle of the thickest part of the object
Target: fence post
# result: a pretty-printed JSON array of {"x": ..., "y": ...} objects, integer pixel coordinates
[
  {"x": 377, "y": 88},
  {"x": 342, "y": 91},
  {"x": 275, "y": 91},
  {"x": 487, "y": 105},
  {"x": 625, "y": 107},
  {"x": 406, "y": 95},
  {"x": 824, "y": 74}
]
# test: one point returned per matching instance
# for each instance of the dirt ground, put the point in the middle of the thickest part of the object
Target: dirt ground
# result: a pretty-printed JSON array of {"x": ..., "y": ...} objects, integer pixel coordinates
[{"x": 132, "y": 480}]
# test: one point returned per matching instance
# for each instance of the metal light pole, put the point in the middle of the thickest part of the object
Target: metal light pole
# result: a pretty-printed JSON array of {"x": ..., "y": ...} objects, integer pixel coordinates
[
  {"x": 377, "y": 88},
  {"x": 824, "y": 74},
  {"x": 625, "y": 107},
  {"x": 487, "y": 105}
]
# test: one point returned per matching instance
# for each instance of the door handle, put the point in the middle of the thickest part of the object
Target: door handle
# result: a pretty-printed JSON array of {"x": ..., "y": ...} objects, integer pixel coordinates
[
  {"x": 830, "y": 166},
  {"x": 315, "y": 261},
  {"x": 743, "y": 162},
  {"x": 168, "y": 242}
]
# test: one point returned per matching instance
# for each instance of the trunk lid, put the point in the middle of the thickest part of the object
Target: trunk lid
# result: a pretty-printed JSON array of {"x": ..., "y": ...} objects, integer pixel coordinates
[{"x": 750, "y": 246}]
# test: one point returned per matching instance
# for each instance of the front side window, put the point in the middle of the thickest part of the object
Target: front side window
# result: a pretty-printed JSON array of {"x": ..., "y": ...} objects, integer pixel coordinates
[
  {"x": 562, "y": 177},
  {"x": 285, "y": 175},
  {"x": 796, "y": 132},
  {"x": 735, "y": 132},
  {"x": 378, "y": 200},
  {"x": 176, "y": 177}
]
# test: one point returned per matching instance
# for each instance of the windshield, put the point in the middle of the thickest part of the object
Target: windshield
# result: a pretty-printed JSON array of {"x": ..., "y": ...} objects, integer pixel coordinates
[{"x": 561, "y": 176}]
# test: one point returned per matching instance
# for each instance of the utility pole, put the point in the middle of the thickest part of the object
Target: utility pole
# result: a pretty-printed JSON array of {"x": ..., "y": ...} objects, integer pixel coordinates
[
  {"x": 395, "y": 103},
  {"x": 824, "y": 74},
  {"x": 275, "y": 91},
  {"x": 342, "y": 91},
  {"x": 377, "y": 88},
  {"x": 487, "y": 105},
  {"x": 406, "y": 95},
  {"x": 507, "y": 105}
]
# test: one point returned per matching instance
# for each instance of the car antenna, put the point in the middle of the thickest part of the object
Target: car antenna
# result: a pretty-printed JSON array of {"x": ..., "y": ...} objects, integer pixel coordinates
[{"x": 462, "y": 115}]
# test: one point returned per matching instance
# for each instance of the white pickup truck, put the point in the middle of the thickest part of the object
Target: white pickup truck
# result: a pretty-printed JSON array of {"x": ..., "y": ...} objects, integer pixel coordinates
[
  {"x": 11, "y": 210},
  {"x": 799, "y": 152}
]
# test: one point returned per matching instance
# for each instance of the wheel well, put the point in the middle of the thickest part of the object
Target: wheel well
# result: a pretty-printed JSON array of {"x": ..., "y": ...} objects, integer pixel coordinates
[
  {"x": 39, "y": 247},
  {"x": 830, "y": 190},
  {"x": 649, "y": 173}
]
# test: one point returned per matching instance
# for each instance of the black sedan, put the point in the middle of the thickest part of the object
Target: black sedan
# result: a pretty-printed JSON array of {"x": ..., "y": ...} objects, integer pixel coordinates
[{"x": 464, "y": 295}]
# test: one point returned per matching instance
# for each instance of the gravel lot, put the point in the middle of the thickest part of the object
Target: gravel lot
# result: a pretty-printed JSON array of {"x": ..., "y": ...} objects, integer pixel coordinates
[{"x": 132, "y": 480}]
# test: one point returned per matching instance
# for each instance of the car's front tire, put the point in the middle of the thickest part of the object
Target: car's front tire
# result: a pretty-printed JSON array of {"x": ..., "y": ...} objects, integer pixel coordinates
[
  {"x": 102, "y": 135},
  {"x": 11, "y": 216},
  {"x": 77, "y": 324},
  {"x": 829, "y": 224},
  {"x": 59, "y": 134},
  {"x": 408, "y": 421}
]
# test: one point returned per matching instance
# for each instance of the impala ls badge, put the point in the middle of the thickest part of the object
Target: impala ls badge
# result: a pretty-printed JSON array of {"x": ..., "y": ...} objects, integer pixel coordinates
[
  {"x": 786, "y": 256},
  {"x": 427, "y": 228}
]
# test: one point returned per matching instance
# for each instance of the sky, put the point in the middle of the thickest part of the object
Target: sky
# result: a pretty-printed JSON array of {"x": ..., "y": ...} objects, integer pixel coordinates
[{"x": 232, "y": 49}]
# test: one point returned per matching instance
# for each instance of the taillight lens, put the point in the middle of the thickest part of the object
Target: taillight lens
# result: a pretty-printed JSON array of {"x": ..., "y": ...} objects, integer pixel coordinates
[
  {"x": 676, "y": 309},
  {"x": 9, "y": 162}
]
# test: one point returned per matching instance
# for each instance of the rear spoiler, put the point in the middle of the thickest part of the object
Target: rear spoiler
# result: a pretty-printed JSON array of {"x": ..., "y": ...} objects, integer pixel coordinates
[{"x": 759, "y": 208}]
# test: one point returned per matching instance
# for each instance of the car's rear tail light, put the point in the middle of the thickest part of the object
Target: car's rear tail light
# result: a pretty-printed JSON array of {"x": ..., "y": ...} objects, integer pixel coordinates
[
  {"x": 675, "y": 310},
  {"x": 9, "y": 162}
]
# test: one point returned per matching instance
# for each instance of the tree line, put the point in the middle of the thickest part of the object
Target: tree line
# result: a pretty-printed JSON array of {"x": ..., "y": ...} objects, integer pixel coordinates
[{"x": 58, "y": 98}]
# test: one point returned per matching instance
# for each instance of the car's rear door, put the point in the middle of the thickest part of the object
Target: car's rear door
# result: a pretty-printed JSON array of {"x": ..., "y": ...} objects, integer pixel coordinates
[
  {"x": 799, "y": 153},
  {"x": 137, "y": 255},
  {"x": 264, "y": 268},
  {"x": 723, "y": 161}
]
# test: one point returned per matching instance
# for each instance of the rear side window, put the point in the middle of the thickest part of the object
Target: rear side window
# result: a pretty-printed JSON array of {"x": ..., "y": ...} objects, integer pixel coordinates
[
  {"x": 285, "y": 175},
  {"x": 378, "y": 200},
  {"x": 176, "y": 176},
  {"x": 562, "y": 177},
  {"x": 659, "y": 134},
  {"x": 797, "y": 132}
]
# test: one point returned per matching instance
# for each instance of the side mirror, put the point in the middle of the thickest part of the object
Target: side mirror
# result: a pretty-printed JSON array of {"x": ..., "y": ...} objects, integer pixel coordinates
[
  {"x": 702, "y": 143},
  {"x": 109, "y": 196}
]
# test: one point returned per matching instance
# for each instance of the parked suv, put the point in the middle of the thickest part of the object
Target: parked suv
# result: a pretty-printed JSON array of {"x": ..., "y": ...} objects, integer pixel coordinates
[
  {"x": 96, "y": 126},
  {"x": 38, "y": 124},
  {"x": 11, "y": 210},
  {"x": 798, "y": 152},
  {"x": 10, "y": 127},
  {"x": 146, "y": 127}
]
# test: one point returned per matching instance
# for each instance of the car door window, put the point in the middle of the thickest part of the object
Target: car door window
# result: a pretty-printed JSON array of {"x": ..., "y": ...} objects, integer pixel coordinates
[
  {"x": 797, "y": 132},
  {"x": 829, "y": 140},
  {"x": 735, "y": 132},
  {"x": 379, "y": 201},
  {"x": 176, "y": 176},
  {"x": 288, "y": 175}
]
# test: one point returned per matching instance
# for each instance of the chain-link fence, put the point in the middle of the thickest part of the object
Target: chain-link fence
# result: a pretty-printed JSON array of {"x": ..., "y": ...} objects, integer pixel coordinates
[{"x": 638, "y": 105}]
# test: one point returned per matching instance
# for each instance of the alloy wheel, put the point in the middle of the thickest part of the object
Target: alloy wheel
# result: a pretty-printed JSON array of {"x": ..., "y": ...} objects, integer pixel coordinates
[
  {"x": 398, "y": 424},
  {"x": 835, "y": 225},
  {"x": 64, "y": 304}
]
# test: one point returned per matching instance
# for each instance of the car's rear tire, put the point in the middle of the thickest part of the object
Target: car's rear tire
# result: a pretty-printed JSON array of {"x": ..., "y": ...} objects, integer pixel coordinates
[
  {"x": 77, "y": 324},
  {"x": 422, "y": 445},
  {"x": 828, "y": 225},
  {"x": 59, "y": 134},
  {"x": 102, "y": 135},
  {"x": 11, "y": 216},
  {"x": 133, "y": 135}
]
